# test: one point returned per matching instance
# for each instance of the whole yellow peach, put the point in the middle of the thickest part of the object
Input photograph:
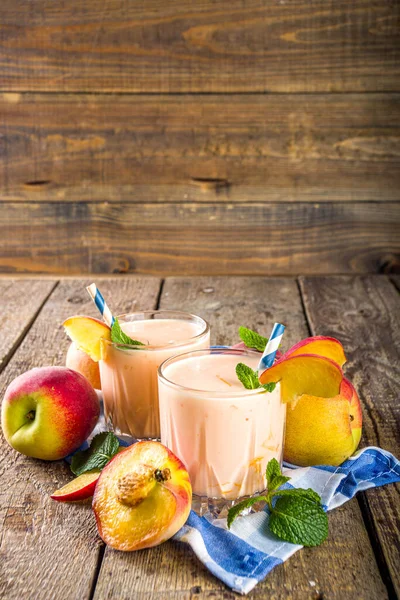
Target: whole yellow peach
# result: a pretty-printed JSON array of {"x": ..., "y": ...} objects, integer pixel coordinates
[
  {"x": 323, "y": 431},
  {"x": 81, "y": 362}
]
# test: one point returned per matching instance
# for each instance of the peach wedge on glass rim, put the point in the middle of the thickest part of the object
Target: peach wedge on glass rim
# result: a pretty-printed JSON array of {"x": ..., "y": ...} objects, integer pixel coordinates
[
  {"x": 320, "y": 345},
  {"x": 304, "y": 374},
  {"x": 87, "y": 333},
  {"x": 142, "y": 498}
]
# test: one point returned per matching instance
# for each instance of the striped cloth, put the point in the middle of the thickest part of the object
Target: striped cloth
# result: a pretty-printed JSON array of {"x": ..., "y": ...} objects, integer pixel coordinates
[{"x": 244, "y": 555}]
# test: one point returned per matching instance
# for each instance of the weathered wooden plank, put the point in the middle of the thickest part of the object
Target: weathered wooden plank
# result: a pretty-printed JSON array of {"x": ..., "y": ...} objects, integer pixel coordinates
[
  {"x": 363, "y": 312},
  {"x": 343, "y": 568},
  {"x": 281, "y": 148},
  {"x": 47, "y": 549},
  {"x": 196, "y": 239},
  {"x": 203, "y": 46},
  {"x": 396, "y": 281},
  {"x": 20, "y": 304}
]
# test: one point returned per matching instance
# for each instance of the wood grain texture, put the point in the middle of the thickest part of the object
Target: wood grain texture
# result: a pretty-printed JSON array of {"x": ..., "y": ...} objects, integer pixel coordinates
[
  {"x": 245, "y": 148},
  {"x": 20, "y": 303},
  {"x": 343, "y": 568},
  {"x": 49, "y": 549},
  {"x": 202, "y": 46},
  {"x": 198, "y": 239},
  {"x": 364, "y": 313}
]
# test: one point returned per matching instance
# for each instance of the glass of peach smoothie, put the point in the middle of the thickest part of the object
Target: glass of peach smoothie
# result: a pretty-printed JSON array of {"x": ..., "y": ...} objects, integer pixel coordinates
[
  {"x": 224, "y": 434},
  {"x": 129, "y": 373}
]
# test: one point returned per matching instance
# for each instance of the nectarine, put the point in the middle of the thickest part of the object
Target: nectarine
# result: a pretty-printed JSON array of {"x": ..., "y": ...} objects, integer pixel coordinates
[{"x": 48, "y": 412}]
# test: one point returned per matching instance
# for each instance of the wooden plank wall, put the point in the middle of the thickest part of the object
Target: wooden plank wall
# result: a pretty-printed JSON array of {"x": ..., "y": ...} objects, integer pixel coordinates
[{"x": 204, "y": 137}]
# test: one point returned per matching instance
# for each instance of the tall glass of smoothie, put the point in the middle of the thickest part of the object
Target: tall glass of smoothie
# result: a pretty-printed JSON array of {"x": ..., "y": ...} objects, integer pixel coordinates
[
  {"x": 224, "y": 434},
  {"x": 129, "y": 373}
]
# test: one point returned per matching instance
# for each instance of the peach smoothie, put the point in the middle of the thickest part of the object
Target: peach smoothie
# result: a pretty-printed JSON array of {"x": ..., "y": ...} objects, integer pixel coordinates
[
  {"x": 129, "y": 373},
  {"x": 223, "y": 433}
]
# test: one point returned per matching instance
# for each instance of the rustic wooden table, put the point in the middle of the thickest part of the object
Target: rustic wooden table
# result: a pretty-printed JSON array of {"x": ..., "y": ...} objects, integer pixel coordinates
[{"x": 50, "y": 550}]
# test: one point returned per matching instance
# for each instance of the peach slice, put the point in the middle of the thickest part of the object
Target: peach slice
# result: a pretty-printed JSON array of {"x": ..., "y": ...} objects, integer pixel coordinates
[
  {"x": 320, "y": 345},
  {"x": 87, "y": 333},
  {"x": 323, "y": 430},
  {"x": 304, "y": 374},
  {"x": 143, "y": 497},
  {"x": 80, "y": 488}
]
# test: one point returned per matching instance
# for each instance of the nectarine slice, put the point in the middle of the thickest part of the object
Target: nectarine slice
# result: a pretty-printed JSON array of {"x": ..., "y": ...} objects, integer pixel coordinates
[
  {"x": 304, "y": 374},
  {"x": 80, "y": 488},
  {"x": 143, "y": 497},
  {"x": 320, "y": 345},
  {"x": 87, "y": 333}
]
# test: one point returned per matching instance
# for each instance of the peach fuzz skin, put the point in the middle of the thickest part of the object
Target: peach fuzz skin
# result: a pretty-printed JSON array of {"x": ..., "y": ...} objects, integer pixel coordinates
[
  {"x": 48, "y": 412},
  {"x": 134, "y": 510},
  {"x": 87, "y": 333},
  {"x": 323, "y": 430},
  {"x": 79, "y": 361}
]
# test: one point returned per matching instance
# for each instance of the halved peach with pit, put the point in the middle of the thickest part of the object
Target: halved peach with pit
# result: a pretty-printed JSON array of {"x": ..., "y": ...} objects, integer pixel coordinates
[
  {"x": 143, "y": 497},
  {"x": 87, "y": 333}
]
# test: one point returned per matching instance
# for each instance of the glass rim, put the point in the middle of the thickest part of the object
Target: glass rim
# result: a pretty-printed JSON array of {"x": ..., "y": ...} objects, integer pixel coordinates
[
  {"x": 189, "y": 317},
  {"x": 210, "y": 393}
]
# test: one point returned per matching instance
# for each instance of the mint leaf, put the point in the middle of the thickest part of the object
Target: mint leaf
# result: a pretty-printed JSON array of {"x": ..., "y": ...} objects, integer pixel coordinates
[
  {"x": 247, "y": 376},
  {"x": 273, "y": 470},
  {"x": 297, "y": 492},
  {"x": 252, "y": 339},
  {"x": 241, "y": 506},
  {"x": 277, "y": 482},
  {"x": 269, "y": 386},
  {"x": 102, "y": 448},
  {"x": 119, "y": 337},
  {"x": 250, "y": 380},
  {"x": 299, "y": 521}
]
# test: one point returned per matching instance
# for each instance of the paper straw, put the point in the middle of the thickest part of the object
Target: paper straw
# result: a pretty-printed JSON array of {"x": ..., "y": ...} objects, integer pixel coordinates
[
  {"x": 268, "y": 357},
  {"x": 99, "y": 301}
]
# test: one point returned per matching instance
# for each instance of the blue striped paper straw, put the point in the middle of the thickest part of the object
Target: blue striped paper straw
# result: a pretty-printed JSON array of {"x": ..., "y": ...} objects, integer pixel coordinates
[
  {"x": 99, "y": 301},
  {"x": 268, "y": 357}
]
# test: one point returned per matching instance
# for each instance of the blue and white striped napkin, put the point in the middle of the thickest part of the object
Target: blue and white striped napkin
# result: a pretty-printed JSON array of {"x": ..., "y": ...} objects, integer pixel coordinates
[{"x": 244, "y": 555}]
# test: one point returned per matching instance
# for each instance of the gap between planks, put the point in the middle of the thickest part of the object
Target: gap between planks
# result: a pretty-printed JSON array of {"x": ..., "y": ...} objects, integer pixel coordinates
[{"x": 10, "y": 353}]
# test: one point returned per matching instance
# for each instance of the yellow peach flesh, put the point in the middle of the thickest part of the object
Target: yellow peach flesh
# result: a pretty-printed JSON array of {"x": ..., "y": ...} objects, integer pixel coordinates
[
  {"x": 322, "y": 346},
  {"x": 130, "y": 521},
  {"x": 304, "y": 374},
  {"x": 87, "y": 333}
]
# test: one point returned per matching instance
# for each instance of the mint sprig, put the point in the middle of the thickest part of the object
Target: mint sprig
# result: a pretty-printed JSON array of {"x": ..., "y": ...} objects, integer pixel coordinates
[
  {"x": 252, "y": 339},
  {"x": 296, "y": 514},
  {"x": 249, "y": 378},
  {"x": 119, "y": 337},
  {"x": 102, "y": 448}
]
